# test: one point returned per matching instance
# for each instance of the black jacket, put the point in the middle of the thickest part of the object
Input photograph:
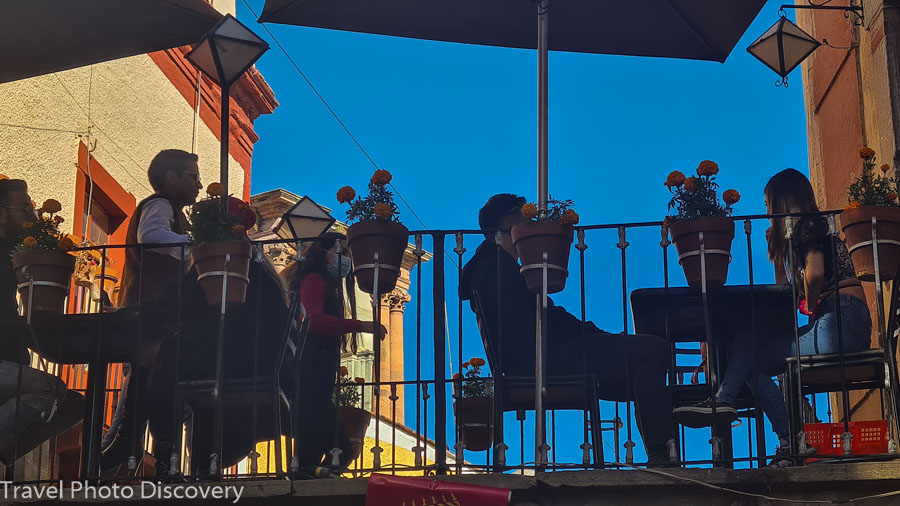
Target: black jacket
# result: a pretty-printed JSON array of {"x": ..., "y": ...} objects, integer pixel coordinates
[{"x": 509, "y": 309}]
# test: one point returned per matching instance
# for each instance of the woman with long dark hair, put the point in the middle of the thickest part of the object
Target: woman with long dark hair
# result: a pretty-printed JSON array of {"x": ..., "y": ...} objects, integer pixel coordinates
[
  {"x": 318, "y": 279},
  {"x": 818, "y": 265}
]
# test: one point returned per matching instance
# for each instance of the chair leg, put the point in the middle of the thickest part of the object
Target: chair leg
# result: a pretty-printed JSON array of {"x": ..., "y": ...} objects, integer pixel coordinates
[
  {"x": 277, "y": 426},
  {"x": 794, "y": 418},
  {"x": 597, "y": 435}
]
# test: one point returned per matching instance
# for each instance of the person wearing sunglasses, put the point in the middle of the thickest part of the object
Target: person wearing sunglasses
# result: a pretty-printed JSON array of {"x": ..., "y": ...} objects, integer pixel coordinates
[{"x": 43, "y": 405}]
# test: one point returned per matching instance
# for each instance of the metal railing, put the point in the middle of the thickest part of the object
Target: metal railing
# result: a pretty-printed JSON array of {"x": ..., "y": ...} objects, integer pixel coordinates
[{"x": 431, "y": 443}]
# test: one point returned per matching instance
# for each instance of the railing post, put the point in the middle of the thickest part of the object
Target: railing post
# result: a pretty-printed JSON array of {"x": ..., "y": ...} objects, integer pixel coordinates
[{"x": 440, "y": 358}]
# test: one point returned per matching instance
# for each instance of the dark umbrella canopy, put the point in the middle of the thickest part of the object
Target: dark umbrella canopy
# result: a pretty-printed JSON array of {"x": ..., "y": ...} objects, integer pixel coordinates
[
  {"x": 44, "y": 36},
  {"x": 693, "y": 29}
]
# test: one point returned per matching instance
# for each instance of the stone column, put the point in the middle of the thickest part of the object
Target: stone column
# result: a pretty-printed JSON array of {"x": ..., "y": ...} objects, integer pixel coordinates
[{"x": 397, "y": 303}]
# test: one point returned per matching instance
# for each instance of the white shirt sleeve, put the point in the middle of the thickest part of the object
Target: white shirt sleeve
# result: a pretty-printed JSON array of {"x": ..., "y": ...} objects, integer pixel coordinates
[{"x": 156, "y": 225}]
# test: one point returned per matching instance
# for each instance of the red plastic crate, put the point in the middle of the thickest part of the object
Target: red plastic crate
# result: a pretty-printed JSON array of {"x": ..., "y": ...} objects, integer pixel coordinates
[{"x": 869, "y": 437}]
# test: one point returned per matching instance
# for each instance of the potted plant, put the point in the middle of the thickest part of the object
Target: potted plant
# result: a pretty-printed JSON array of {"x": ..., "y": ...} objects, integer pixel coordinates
[
  {"x": 377, "y": 230},
  {"x": 353, "y": 419},
  {"x": 549, "y": 232},
  {"x": 699, "y": 211},
  {"x": 220, "y": 246},
  {"x": 42, "y": 262},
  {"x": 872, "y": 195},
  {"x": 474, "y": 406}
]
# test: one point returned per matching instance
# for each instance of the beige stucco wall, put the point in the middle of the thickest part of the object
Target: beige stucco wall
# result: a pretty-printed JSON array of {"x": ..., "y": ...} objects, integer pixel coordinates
[{"x": 135, "y": 112}]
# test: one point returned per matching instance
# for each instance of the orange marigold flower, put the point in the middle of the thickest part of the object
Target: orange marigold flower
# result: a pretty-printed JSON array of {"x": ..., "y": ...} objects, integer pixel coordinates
[
  {"x": 65, "y": 244},
  {"x": 345, "y": 195},
  {"x": 866, "y": 153},
  {"x": 457, "y": 376},
  {"x": 238, "y": 229},
  {"x": 58, "y": 220},
  {"x": 359, "y": 380},
  {"x": 3, "y": 176},
  {"x": 692, "y": 183},
  {"x": 29, "y": 242},
  {"x": 529, "y": 211},
  {"x": 215, "y": 190},
  {"x": 885, "y": 167},
  {"x": 731, "y": 197},
  {"x": 383, "y": 211},
  {"x": 676, "y": 178},
  {"x": 381, "y": 177},
  {"x": 708, "y": 168},
  {"x": 891, "y": 196},
  {"x": 852, "y": 205},
  {"x": 466, "y": 364},
  {"x": 51, "y": 206},
  {"x": 344, "y": 370},
  {"x": 477, "y": 361},
  {"x": 570, "y": 217}
]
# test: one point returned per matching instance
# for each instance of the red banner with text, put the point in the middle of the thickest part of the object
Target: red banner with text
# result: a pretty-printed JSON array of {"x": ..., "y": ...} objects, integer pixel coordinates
[{"x": 386, "y": 490}]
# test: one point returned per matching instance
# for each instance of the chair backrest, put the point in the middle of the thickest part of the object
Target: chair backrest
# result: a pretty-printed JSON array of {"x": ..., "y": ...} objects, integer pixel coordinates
[
  {"x": 893, "y": 323},
  {"x": 486, "y": 339},
  {"x": 288, "y": 345}
]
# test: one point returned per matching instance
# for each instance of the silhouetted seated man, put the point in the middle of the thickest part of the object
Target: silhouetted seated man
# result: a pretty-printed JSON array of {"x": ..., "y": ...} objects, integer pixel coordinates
[
  {"x": 515, "y": 305},
  {"x": 44, "y": 405}
]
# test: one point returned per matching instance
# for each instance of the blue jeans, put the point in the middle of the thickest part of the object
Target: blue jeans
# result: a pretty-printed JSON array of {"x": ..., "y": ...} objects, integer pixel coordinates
[{"x": 817, "y": 337}]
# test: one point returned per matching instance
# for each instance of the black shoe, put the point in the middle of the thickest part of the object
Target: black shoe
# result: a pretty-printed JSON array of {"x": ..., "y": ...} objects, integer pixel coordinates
[
  {"x": 782, "y": 457},
  {"x": 700, "y": 415}
]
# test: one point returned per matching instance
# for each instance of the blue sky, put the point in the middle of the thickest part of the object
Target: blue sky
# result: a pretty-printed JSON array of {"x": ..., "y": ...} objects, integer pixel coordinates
[{"x": 456, "y": 124}]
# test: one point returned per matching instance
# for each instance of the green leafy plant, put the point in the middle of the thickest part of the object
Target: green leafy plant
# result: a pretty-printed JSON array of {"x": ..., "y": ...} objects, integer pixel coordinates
[
  {"x": 870, "y": 188},
  {"x": 209, "y": 223},
  {"x": 377, "y": 205},
  {"x": 696, "y": 196},
  {"x": 470, "y": 382},
  {"x": 349, "y": 391},
  {"x": 43, "y": 233},
  {"x": 557, "y": 210}
]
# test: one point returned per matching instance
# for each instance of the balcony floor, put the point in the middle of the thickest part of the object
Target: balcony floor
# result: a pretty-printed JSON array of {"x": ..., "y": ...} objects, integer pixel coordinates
[{"x": 822, "y": 482}]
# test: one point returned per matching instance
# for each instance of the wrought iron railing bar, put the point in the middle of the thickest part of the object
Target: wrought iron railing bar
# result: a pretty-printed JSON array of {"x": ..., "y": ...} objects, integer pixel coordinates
[
  {"x": 459, "y": 446},
  {"x": 440, "y": 359},
  {"x": 760, "y": 426},
  {"x": 418, "y": 450}
]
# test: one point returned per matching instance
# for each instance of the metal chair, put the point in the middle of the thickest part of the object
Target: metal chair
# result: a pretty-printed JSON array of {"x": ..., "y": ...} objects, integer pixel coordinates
[
  {"x": 869, "y": 369},
  {"x": 516, "y": 393},
  {"x": 262, "y": 393}
]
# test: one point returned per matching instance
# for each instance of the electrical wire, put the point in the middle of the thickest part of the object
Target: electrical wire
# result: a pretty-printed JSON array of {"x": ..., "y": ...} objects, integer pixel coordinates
[
  {"x": 750, "y": 494},
  {"x": 42, "y": 129}
]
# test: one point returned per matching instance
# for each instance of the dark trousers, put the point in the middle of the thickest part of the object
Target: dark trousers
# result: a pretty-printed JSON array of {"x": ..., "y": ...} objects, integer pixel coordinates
[
  {"x": 316, "y": 415},
  {"x": 607, "y": 357}
]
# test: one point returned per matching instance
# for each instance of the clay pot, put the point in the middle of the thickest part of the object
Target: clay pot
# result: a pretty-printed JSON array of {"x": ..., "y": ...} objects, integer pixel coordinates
[
  {"x": 718, "y": 232},
  {"x": 389, "y": 239},
  {"x": 51, "y": 272},
  {"x": 475, "y": 416},
  {"x": 209, "y": 259},
  {"x": 535, "y": 238},
  {"x": 354, "y": 421},
  {"x": 857, "y": 227}
]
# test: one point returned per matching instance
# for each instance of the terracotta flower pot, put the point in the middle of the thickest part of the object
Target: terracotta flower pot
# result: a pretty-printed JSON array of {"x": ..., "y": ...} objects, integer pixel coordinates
[
  {"x": 389, "y": 240},
  {"x": 476, "y": 422},
  {"x": 857, "y": 227},
  {"x": 50, "y": 271},
  {"x": 718, "y": 232},
  {"x": 532, "y": 240},
  {"x": 354, "y": 421},
  {"x": 209, "y": 259}
]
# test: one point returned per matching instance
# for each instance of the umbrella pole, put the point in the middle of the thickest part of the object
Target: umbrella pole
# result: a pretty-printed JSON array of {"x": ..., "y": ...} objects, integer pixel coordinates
[{"x": 543, "y": 60}]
